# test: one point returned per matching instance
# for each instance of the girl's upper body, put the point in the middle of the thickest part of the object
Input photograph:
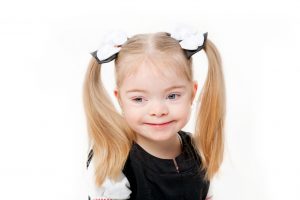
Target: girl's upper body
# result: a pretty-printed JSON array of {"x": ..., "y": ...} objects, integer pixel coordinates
[
  {"x": 142, "y": 152},
  {"x": 147, "y": 177}
]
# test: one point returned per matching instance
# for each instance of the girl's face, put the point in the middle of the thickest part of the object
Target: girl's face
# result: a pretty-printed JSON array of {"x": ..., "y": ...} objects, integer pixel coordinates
[{"x": 155, "y": 107}]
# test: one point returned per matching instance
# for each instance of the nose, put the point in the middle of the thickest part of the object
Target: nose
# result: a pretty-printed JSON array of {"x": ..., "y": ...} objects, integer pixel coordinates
[{"x": 158, "y": 108}]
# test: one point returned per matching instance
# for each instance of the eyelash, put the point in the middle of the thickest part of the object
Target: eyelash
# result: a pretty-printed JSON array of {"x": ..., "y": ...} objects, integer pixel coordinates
[{"x": 135, "y": 99}]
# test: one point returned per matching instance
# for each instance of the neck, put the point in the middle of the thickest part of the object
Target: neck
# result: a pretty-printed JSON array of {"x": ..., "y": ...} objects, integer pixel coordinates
[{"x": 163, "y": 149}]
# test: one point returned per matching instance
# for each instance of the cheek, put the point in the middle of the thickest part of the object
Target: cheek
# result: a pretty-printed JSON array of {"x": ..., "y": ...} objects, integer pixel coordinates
[
  {"x": 182, "y": 111},
  {"x": 132, "y": 115}
]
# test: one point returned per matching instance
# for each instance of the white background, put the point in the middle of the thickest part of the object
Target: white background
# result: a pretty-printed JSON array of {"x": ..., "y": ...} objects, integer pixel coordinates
[{"x": 44, "y": 52}]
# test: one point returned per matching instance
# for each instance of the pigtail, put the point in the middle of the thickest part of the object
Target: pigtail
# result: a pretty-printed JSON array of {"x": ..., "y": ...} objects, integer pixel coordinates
[
  {"x": 107, "y": 130},
  {"x": 208, "y": 137}
]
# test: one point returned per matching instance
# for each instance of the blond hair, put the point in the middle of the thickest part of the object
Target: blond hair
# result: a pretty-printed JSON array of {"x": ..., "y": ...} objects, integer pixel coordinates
[{"x": 109, "y": 134}]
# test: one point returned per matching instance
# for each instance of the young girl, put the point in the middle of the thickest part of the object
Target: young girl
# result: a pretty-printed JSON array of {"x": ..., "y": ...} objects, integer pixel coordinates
[{"x": 142, "y": 153}]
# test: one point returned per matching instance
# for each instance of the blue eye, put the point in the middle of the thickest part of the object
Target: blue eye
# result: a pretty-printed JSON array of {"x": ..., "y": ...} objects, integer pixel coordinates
[
  {"x": 170, "y": 96},
  {"x": 173, "y": 96},
  {"x": 138, "y": 100}
]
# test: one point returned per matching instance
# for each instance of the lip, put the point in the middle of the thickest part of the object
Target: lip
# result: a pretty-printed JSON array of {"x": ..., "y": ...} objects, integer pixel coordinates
[{"x": 159, "y": 125}]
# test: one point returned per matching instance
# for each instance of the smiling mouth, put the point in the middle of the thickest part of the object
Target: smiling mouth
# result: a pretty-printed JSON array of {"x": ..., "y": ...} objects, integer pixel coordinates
[{"x": 160, "y": 124}]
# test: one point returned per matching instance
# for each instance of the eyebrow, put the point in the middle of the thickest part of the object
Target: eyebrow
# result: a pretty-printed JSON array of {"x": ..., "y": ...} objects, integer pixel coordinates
[{"x": 167, "y": 89}]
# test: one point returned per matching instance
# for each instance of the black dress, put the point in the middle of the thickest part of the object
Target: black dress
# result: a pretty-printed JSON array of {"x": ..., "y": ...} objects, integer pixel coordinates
[{"x": 153, "y": 178}]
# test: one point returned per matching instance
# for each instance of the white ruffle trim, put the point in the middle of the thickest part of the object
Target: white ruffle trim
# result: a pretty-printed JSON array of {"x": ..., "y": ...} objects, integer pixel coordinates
[{"x": 109, "y": 189}]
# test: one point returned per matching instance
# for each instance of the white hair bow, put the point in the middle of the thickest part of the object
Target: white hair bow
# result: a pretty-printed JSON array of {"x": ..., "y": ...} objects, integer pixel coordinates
[
  {"x": 189, "y": 39},
  {"x": 110, "y": 46}
]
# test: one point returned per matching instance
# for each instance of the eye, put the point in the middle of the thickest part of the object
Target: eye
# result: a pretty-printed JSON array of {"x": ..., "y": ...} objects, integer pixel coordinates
[
  {"x": 173, "y": 96},
  {"x": 138, "y": 99}
]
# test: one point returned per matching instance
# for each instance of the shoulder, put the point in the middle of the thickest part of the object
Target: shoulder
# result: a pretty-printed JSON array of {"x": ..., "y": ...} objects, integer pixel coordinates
[
  {"x": 109, "y": 189},
  {"x": 190, "y": 148},
  {"x": 188, "y": 137}
]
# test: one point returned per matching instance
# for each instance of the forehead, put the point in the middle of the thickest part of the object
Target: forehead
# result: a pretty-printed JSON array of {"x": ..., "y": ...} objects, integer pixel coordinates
[{"x": 150, "y": 78}]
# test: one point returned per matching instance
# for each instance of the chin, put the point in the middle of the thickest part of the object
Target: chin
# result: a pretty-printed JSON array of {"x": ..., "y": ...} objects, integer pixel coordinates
[{"x": 157, "y": 135}]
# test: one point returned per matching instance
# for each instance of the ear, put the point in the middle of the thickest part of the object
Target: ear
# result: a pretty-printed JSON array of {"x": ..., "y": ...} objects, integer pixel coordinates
[
  {"x": 117, "y": 95},
  {"x": 195, "y": 87}
]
